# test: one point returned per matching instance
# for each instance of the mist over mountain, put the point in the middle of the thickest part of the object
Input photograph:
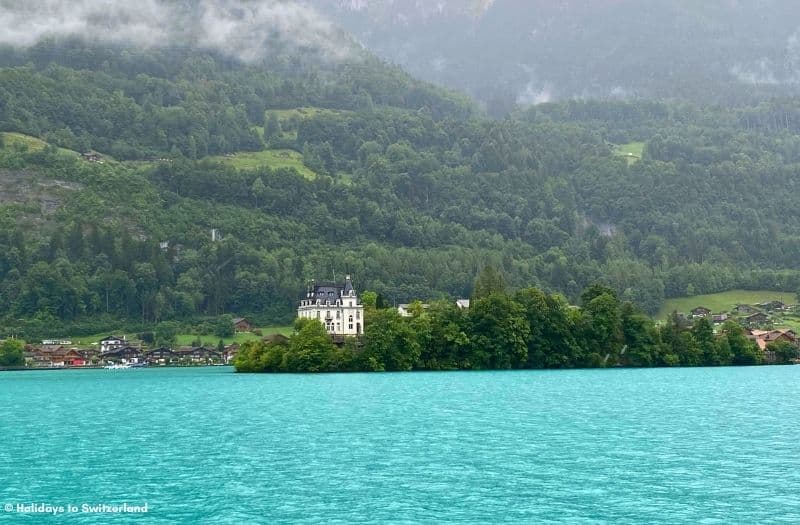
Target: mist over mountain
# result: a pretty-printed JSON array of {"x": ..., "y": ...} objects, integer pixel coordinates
[
  {"x": 242, "y": 29},
  {"x": 525, "y": 52}
]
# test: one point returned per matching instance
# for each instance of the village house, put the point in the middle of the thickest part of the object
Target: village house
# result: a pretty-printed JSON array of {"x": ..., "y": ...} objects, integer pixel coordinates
[
  {"x": 463, "y": 304},
  {"x": 700, "y": 312},
  {"x": 773, "y": 305},
  {"x": 198, "y": 355},
  {"x": 764, "y": 337},
  {"x": 229, "y": 353},
  {"x": 241, "y": 324},
  {"x": 719, "y": 318},
  {"x": 55, "y": 356},
  {"x": 335, "y": 305},
  {"x": 112, "y": 342},
  {"x": 744, "y": 309},
  {"x": 160, "y": 356},
  {"x": 405, "y": 310},
  {"x": 122, "y": 355},
  {"x": 756, "y": 319},
  {"x": 50, "y": 355}
]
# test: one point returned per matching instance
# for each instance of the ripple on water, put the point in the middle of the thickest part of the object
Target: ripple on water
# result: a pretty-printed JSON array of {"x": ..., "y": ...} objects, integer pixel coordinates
[{"x": 206, "y": 445}]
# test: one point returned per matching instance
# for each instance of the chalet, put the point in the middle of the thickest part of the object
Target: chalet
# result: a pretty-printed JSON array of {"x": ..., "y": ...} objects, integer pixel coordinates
[
  {"x": 198, "y": 355},
  {"x": 230, "y": 352},
  {"x": 55, "y": 356},
  {"x": 773, "y": 305},
  {"x": 112, "y": 342},
  {"x": 719, "y": 318},
  {"x": 700, "y": 312},
  {"x": 91, "y": 156},
  {"x": 336, "y": 305},
  {"x": 73, "y": 357},
  {"x": 744, "y": 309},
  {"x": 160, "y": 356},
  {"x": 756, "y": 319},
  {"x": 124, "y": 354},
  {"x": 241, "y": 324},
  {"x": 764, "y": 337}
]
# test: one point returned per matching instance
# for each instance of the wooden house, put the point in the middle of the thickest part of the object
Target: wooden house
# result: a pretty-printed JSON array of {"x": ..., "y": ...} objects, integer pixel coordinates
[
  {"x": 700, "y": 312},
  {"x": 773, "y": 305},
  {"x": 198, "y": 355},
  {"x": 756, "y": 319},
  {"x": 230, "y": 353},
  {"x": 719, "y": 318},
  {"x": 744, "y": 309},
  {"x": 160, "y": 356},
  {"x": 241, "y": 324},
  {"x": 125, "y": 355}
]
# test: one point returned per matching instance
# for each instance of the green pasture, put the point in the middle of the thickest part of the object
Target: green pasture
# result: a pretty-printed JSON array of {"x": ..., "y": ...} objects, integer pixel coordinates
[{"x": 722, "y": 302}]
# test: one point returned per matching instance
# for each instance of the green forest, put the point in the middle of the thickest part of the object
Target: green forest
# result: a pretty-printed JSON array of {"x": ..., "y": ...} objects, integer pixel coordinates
[{"x": 306, "y": 168}]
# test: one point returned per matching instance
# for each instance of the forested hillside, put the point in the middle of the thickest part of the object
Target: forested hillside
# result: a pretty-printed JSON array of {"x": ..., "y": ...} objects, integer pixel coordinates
[{"x": 308, "y": 168}]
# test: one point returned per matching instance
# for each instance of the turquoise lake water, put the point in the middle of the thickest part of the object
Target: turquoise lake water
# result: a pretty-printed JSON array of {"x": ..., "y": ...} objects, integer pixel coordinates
[{"x": 205, "y": 445}]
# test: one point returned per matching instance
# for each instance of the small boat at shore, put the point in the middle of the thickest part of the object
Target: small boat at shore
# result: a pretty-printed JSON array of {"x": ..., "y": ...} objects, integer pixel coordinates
[{"x": 116, "y": 366}]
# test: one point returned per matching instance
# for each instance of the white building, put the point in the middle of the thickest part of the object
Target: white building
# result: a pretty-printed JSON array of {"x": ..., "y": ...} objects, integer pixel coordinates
[
  {"x": 405, "y": 310},
  {"x": 112, "y": 343},
  {"x": 335, "y": 305}
]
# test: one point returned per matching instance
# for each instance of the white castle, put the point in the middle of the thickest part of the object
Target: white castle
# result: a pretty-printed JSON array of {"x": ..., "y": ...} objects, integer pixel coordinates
[{"x": 335, "y": 305}]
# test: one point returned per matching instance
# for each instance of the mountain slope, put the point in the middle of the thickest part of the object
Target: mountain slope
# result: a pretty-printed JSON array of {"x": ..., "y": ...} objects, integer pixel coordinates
[
  {"x": 403, "y": 186},
  {"x": 527, "y": 52}
]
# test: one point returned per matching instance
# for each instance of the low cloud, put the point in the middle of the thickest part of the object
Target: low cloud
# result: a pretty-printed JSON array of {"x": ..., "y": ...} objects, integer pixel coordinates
[
  {"x": 761, "y": 72},
  {"x": 240, "y": 28},
  {"x": 534, "y": 95}
]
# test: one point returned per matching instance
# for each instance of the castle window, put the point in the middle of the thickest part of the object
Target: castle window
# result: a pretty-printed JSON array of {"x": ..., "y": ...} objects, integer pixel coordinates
[
  {"x": 358, "y": 314},
  {"x": 338, "y": 314}
]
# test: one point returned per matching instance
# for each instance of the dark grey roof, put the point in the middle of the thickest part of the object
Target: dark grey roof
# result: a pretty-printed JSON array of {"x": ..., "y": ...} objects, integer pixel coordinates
[{"x": 328, "y": 290}]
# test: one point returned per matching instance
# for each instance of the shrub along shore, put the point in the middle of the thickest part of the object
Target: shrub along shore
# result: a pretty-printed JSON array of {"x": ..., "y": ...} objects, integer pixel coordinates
[{"x": 528, "y": 329}]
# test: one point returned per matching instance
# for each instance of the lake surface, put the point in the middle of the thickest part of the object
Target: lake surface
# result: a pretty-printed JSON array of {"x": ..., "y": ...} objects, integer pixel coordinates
[{"x": 205, "y": 445}]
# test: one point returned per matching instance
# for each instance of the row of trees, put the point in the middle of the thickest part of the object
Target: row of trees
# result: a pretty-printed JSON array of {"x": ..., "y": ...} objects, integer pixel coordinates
[{"x": 527, "y": 329}]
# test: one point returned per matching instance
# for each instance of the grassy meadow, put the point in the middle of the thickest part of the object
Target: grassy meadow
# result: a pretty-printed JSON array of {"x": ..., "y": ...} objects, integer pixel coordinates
[
  {"x": 274, "y": 158},
  {"x": 187, "y": 339},
  {"x": 14, "y": 140},
  {"x": 632, "y": 151},
  {"x": 722, "y": 302}
]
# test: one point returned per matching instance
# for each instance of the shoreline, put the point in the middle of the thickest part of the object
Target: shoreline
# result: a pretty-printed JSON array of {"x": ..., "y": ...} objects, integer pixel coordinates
[{"x": 61, "y": 368}]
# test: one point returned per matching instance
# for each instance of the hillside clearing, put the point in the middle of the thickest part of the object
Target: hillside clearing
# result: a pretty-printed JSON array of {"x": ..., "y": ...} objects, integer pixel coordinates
[
  {"x": 304, "y": 113},
  {"x": 274, "y": 158},
  {"x": 632, "y": 151},
  {"x": 12, "y": 140}
]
